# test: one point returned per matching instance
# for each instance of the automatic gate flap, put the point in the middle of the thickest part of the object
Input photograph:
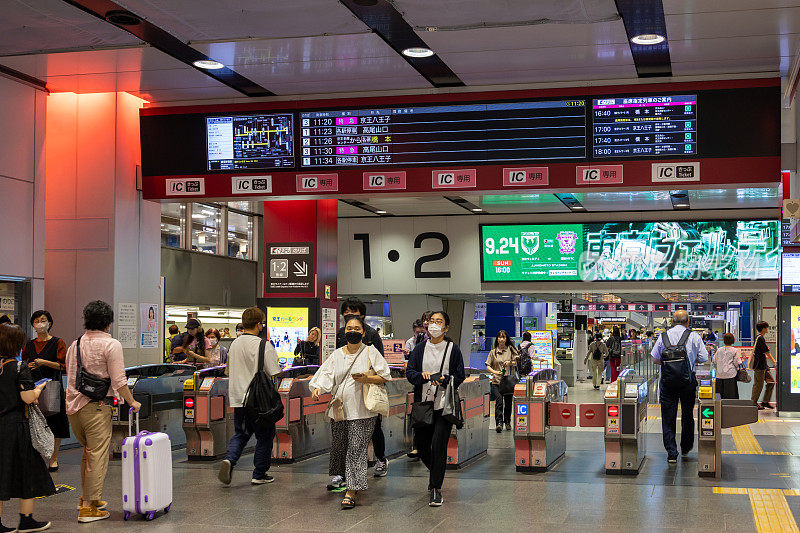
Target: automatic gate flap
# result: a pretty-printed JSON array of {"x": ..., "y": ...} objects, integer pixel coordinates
[
  {"x": 562, "y": 414},
  {"x": 738, "y": 413},
  {"x": 592, "y": 415}
]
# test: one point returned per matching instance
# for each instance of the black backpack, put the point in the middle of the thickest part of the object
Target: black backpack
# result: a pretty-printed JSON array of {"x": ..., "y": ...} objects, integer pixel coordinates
[
  {"x": 675, "y": 368},
  {"x": 525, "y": 365},
  {"x": 597, "y": 354},
  {"x": 262, "y": 403},
  {"x": 614, "y": 346}
]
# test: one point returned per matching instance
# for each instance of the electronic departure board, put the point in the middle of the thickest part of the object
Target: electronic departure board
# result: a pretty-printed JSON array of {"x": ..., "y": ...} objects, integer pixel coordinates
[
  {"x": 250, "y": 142},
  {"x": 472, "y": 133},
  {"x": 637, "y": 126}
]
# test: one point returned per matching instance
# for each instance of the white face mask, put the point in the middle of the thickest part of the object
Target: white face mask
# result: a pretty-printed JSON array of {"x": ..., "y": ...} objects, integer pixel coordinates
[
  {"x": 41, "y": 327},
  {"x": 435, "y": 330},
  {"x": 214, "y": 341}
]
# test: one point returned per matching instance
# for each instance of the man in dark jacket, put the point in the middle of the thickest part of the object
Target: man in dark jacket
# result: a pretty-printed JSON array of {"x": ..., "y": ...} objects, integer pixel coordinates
[{"x": 353, "y": 307}]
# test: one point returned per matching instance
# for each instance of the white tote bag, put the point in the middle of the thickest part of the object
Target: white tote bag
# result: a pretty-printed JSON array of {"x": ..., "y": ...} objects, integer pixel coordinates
[{"x": 375, "y": 397}]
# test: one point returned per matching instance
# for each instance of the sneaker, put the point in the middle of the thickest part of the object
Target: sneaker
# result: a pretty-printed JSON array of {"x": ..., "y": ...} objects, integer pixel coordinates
[
  {"x": 337, "y": 484},
  {"x": 436, "y": 499},
  {"x": 6, "y": 529},
  {"x": 508, "y": 426},
  {"x": 100, "y": 504},
  {"x": 413, "y": 454},
  {"x": 672, "y": 458},
  {"x": 262, "y": 480},
  {"x": 761, "y": 407},
  {"x": 381, "y": 468},
  {"x": 92, "y": 514},
  {"x": 27, "y": 523},
  {"x": 499, "y": 428},
  {"x": 766, "y": 405},
  {"x": 225, "y": 469}
]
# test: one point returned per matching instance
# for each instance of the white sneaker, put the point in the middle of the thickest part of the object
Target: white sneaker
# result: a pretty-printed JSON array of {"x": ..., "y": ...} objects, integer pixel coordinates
[{"x": 337, "y": 484}]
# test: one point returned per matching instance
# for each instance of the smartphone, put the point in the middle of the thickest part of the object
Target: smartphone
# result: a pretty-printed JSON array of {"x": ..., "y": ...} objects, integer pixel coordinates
[
  {"x": 45, "y": 380},
  {"x": 436, "y": 377}
]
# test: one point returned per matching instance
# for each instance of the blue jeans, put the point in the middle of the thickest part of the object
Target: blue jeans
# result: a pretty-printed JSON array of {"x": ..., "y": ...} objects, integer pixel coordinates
[{"x": 264, "y": 438}]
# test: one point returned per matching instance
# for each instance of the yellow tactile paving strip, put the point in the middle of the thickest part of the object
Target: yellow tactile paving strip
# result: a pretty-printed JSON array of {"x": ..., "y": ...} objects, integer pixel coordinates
[
  {"x": 744, "y": 441},
  {"x": 770, "y": 509}
]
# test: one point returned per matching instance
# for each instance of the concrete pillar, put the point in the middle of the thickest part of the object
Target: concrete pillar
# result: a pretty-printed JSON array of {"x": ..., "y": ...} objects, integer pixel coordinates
[
  {"x": 102, "y": 239},
  {"x": 406, "y": 308}
]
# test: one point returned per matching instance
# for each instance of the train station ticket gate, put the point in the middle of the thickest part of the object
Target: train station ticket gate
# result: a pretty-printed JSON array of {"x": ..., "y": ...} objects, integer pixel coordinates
[
  {"x": 304, "y": 430},
  {"x": 159, "y": 388},
  {"x": 207, "y": 417},
  {"x": 471, "y": 442},
  {"x": 714, "y": 415},
  {"x": 625, "y": 424},
  {"x": 397, "y": 431},
  {"x": 540, "y": 416}
]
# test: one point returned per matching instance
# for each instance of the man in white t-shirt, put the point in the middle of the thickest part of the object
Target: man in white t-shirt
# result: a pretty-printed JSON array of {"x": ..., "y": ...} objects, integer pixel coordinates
[{"x": 242, "y": 362}]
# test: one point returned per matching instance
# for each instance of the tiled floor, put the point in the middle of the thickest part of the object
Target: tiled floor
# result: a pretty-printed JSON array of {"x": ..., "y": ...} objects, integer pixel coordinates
[{"x": 489, "y": 495}]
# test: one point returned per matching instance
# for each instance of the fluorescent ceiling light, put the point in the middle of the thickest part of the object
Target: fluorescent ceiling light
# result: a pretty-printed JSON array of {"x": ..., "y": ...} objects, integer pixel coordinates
[
  {"x": 477, "y": 209},
  {"x": 208, "y": 64},
  {"x": 380, "y": 212},
  {"x": 648, "y": 39},
  {"x": 418, "y": 52}
]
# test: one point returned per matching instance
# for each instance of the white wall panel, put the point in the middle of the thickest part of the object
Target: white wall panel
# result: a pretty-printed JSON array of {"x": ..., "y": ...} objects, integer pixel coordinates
[
  {"x": 16, "y": 219},
  {"x": 17, "y": 132}
]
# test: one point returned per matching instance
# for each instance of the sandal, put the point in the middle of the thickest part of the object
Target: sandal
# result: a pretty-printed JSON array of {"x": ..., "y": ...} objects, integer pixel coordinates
[{"x": 348, "y": 502}]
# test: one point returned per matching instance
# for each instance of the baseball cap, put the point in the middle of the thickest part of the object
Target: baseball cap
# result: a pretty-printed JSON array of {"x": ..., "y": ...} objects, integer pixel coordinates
[{"x": 192, "y": 323}]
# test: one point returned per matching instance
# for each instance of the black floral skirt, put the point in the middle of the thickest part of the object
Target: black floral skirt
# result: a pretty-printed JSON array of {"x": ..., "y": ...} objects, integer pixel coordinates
[{"x": 23, "y": 472}]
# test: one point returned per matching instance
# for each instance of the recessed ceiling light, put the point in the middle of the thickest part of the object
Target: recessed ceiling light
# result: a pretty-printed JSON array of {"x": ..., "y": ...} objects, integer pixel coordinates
[
  {"x": 208, "y": 64},
  {"x": 577, "y": 208},
  {"x": 648, "y": 39},
  {"x": 380, "y": 212},
  {"x": 418, "y": 52},
  {"x": 477, "y": 209},
  {"x": 120, "y": 17}
]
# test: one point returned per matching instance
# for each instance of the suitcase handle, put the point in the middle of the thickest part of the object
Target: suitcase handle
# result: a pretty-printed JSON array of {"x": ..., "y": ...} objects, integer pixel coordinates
[{"x": 130, "y": 418}]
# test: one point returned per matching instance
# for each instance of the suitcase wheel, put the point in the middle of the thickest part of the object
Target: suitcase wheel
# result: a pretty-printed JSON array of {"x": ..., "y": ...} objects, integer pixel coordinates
[
  {"x": 127, "y": 515},
  {"x": 166, "y": 509},
  {"x": 150, "y": 515}
]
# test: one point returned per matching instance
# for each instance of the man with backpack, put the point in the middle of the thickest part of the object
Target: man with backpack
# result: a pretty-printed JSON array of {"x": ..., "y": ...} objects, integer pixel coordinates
[
  {"x": 595, "y": 356},
  {"x": 243, "y": 357},
  {"x": 678, "y": 351}
]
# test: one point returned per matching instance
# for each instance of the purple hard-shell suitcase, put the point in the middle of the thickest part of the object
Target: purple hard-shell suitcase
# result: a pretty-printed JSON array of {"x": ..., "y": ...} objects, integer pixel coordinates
[{"x": 146, "y": 472}]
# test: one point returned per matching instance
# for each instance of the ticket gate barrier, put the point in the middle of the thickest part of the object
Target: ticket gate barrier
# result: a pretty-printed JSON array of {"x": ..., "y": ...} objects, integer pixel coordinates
[
  {"x": 207, "y": 416},
  {"x": 304, "y": 430},
  {"x": 540, "y": 416},
  {"x": 159, "y": 388},
  {"x": 471, "y": 442},
  {"x": 714, "y": 415},
  {"x": 625, "y": 423}
]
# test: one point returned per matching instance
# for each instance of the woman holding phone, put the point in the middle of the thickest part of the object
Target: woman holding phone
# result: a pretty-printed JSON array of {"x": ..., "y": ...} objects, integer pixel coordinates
[
  {"x": 431, "y": 366},
  {"x": 344, "y": 374}
]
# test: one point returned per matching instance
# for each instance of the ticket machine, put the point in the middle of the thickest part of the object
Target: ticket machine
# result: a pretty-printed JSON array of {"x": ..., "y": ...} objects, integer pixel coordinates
[
  {"x": 539, "y": 411},
  {"x": 159, "y": 388},
  {"x": 626, "y": 424},
  {"x": 471, "y": 442},
  {"x": 207, "y": 418}
]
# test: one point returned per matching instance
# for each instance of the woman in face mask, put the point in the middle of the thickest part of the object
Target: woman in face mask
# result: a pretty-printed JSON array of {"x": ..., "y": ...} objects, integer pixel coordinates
[
  {"x": 343, "y": 374},
  {"x": 46, "y": 358},
  {"x": 502, "y": 357},
  {"x": 431, "y": 366},
  {"x": 218, "y": 354}
]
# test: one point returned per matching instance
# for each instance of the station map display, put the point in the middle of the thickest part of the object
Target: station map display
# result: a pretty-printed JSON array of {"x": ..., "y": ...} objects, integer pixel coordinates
[
  {"x": 632, "y": 251},
  {"x": 250, "y": 142}
]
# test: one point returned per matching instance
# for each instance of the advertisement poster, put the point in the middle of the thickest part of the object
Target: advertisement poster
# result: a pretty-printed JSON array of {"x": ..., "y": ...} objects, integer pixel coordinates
[
  {"x": 632, "y": 251},
  {"x": 542, "y": 342},
  {"x": 287, "y": 326},
  {"x": 795, "y": 350},
  {"x": 328, "y": 332},
  {"x": 394, "y": 351},
  {"x": 148, "y": 321},
  {"x": 125, "y": 322}
]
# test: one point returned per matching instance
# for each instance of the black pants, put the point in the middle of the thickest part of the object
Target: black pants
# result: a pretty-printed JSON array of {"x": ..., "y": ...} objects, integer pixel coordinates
[
  {"x": 431, "y": 443},
  {"x": 728, "y": 388},
  {"x": 378, "y": 441},
  {"x": 670, "y": 396},
  {"x": 502, "y": 406}
]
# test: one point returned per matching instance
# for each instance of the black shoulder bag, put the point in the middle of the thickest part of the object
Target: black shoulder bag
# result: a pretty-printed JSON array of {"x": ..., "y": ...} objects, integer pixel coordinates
[
  {"x": 422, "y": 412},
  {"x": 262, "y": 402},
  {"x": 90, "y": 385}
]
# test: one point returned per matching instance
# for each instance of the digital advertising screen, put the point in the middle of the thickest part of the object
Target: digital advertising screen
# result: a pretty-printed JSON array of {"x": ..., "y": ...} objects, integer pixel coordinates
[
  {"x": 790, "y": 272},
  {"x": 631, "y": 251},
  {"x": 287, "y": 326},
  {"x": 542, "y": 342},
  {"x": 250, "y": 142}
]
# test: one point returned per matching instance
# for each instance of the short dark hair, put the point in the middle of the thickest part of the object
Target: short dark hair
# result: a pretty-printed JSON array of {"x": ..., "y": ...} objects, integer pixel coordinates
[
  {"x": 12, "y": 339},
  {"x": 214, "y": 332},
  {"x": 5, "y": 319},
  {"x": 728, "y": 339},
  {"x": 360, "y": 321},
  {"x": 417, "y": 324},
  {"x": 239, "y": 326},
  {"x": 761, "y": 325},
  {"x": 252, "y": 317},
  {"x": 174, "y": 329},
  {"x": 615, "y": 331},
  {"x": 445, "y": 315},
  {"x": 354, "y": 303},
  {"x": 598, "y": 336},
  {"x": 527, "y": 336},
  {"x": 97, "y": 316},
  {"x": 44, "y": 313}
]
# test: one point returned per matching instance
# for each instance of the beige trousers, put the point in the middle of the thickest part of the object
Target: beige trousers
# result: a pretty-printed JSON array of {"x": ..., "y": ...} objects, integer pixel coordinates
[{"x": 92, "y": 427}]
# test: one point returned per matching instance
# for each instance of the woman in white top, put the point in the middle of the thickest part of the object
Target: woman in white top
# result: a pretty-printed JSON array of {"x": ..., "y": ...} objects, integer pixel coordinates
[
  {"x": 727, "y": 362},
  {"x": 343, "y": 374}
]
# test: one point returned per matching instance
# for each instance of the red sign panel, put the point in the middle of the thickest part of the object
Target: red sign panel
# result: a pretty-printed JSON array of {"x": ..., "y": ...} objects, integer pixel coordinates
[
  {"x": 613, "y": 410},
  {"x": 455, "y": 179},
  {"x": 525, "y": 177},
  {"x": 562, "y": 414},
  {"x": 384, "y": 181},
  {"x": 188, "y": 402},
  {"x": 598, "y": 175},
  {"x": 591, "y": 415}
]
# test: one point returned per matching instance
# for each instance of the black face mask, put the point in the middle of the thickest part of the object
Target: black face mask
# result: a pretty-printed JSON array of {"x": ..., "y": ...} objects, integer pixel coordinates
[{"x": 353, "y": 337}]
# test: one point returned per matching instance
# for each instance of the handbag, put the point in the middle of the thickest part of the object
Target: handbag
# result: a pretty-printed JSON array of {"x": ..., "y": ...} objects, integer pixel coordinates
[
  {"x": 336, "y": 405},
  {"x": 50, "y": 398},
  {"x": 422, "y": 412},
  {"x": 376, "y": 399},
  {"x": 743, "y": 375},
  {"x": 93, "y": 387},
  {"x": 452, "y": 406},
  {"x": 41, "y": 436},
  {"x": 509, "y": 381}
]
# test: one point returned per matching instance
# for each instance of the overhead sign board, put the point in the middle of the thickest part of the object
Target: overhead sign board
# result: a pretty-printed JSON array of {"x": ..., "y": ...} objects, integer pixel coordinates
[{"x": 291, "y": 267}]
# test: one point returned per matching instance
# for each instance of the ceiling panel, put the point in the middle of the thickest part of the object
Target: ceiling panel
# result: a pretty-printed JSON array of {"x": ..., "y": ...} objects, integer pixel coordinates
[
  {"x": 733, "y": 23},
  {"x": 549, "y": 75},
  {"x": 767, "y": 65},
  {"x": 199, "y": 20},
  {"x": 703, "y": 6},
  {"x": 28, "y": 26},
  {"x": 346, "y": 210},
  {"x": 760, "y": 46},
  {"x": 183, "y": 94},
  {"x": 422, "y": 206},
  {"x": 93, "y": 62},
  {"x": 625, "y": 201},
  {"x": 519, "y": 203},
  {"x": 750, "y": 198}
]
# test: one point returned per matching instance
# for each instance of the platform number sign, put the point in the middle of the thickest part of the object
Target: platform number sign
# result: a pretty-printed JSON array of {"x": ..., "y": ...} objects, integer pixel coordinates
[{"x": 420, "y": 269}]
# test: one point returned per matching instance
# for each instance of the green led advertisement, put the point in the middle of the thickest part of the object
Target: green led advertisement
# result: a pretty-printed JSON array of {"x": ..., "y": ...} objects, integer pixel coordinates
[{"x": 631, "y": 251}]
